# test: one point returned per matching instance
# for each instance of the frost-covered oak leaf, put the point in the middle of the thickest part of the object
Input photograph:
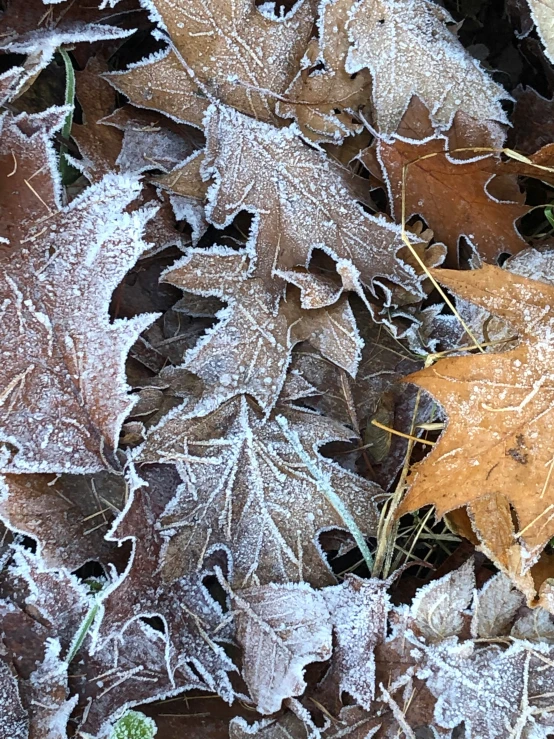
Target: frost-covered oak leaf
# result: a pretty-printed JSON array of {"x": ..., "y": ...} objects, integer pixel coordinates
[
  {"x": 300, "y": 201},
  {"x": 281, "y": 629},
  {"x": 500, "y": 413},
  {"x": 409, "y": 50},
  {"x": 246, "y": 488},
  {"x": 230, "y": 51},
  {"x": 448, "y": 192},
  {"x": 63, "y": 393},
  {"x": 190, "y": 615},
  {"x": 323, "y": 97},
  {"x": 249, "y": 350}
]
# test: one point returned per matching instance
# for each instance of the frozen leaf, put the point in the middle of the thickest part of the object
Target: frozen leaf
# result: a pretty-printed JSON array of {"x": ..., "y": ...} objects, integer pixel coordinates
[
  {"x": 300, "y": 200},
  {"x": 536, "y": 625},
  {"x": 248, "y": 351},
  {"x": 231, "y": 51},
  {"x": 497, "y": 604},
  {"x": 352, "y": 723},
  {"x": 409, "y": 50},
  {"x": 358, "y": 611},
  {"x": 191, "y": 617},
  {"x": 499, "y": 409},
  {"x": 281, "y": 629},
  {"x": 543, "y": 15},
  {"x": 14, "y": 722},
  {"x": 63, "y": 390},
  {"x": 68, "y": 515},
  {"x": 245, "y": 488},
  {"x": 323, "y": 97},
  {"x": 449, "y": 192},
  {"x": 437, "y": 610},
  {"x": 38, "y": 31}
]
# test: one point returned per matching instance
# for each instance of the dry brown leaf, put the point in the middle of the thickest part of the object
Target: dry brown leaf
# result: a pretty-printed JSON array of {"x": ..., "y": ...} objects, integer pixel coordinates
[
  {"x": 409, "y": 50},
  {"x": 249, "y": 350},
  {"x": 300, "y": 200},
  {"x": 233, "y": 52},
  {"x": 235, "y": 467},
  {"x": 14, "y": 721},
  {"x": 323, "y": 97},
  {"x": 533, "y": 121},
  {"x": 451, "y": 195},
  {"x": 496, "y": 446}
]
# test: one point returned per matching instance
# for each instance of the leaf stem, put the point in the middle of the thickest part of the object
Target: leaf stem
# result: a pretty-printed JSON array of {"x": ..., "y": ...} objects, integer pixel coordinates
[{"x": 326, "y": 488}]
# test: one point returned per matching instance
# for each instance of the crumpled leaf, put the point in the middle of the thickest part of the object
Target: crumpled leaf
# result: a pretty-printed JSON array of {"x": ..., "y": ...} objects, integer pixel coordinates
[
  {"x": 498, "y": 408},
  {"x": 249, "y": 350},
  {"x": 300, "y": 201},
  {"x": 281, "y": 629},
  {"x": 496, "y": 607},
  {"x": 235, "y": 467},
  {"x": 63, "y": 390},
  {"x": 322, "y": 94},
  {"x": 448, "y": 192},
  {"x": 190, "y": 615},
  {"x": 409, "y": 50},
  {"x": 233, "y": 52}
]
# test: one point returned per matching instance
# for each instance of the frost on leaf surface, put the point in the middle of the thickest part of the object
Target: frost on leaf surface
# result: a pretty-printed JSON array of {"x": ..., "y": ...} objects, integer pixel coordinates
[
  {"x": 224, "y": 50},
  {"x": 359, "y": 610},
  {"x": 300, "y": 200},
  {"x": 13, "y": 717},
  {"x": 543, "y": 15},
  {"x": 63, "y": 394},
  {"x": 281, "y": 629},
  {"x": 249, "y": 350},
  {"x": 244, "y": 487},
  {"x": 322, "y": 94},
  {"x": 437, "y": 609},
  {"x": 191, "y": 617},
  {"x": 409, "y": 50},
  {"x": 500, "y": 417}
]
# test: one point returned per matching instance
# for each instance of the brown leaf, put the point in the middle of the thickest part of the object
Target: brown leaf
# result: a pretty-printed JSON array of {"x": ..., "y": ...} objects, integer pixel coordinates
[
  {"x": 248, "y": 351},
  {"x": 67, "y": 514},
  {"x": 498, "y": 408},
  {"x": 14, "y": 721},
  {"x": 533, "y": 121},
  {"x": 281, "y": 629},
  {"x": 232, "y": 460},
  {"x": 448, "y": 192},
  {"x": 214, "y": 58},
  {"x": 304, "y": 204},
  {"x": 412, "y": 45},
  {"x": 323, "y": 97}
]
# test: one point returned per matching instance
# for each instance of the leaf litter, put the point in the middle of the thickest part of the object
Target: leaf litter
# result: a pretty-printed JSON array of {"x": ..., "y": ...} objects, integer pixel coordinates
[{"x": 267, "y": 468}]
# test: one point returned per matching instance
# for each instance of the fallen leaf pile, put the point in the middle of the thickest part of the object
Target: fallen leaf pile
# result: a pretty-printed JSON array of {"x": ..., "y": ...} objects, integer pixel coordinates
[{"x": 276, "y": 391}]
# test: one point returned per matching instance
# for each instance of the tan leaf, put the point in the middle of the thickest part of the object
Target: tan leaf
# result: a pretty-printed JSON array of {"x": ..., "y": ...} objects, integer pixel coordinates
[
  {"x": 234, "y": 467},
  {"x": 409, "y": 50},
  {"x": 63, "y": 389},
  {"x": 281, "y": 629},
  {"x": 302, "y": 205},
  {"x": 322, "y": 94},
  {"x": 543, "y": 15},
  {"x": 231, "y": 51},
  {"x": 448, "y": 192},
  {"x": 499, "y": 422}
]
